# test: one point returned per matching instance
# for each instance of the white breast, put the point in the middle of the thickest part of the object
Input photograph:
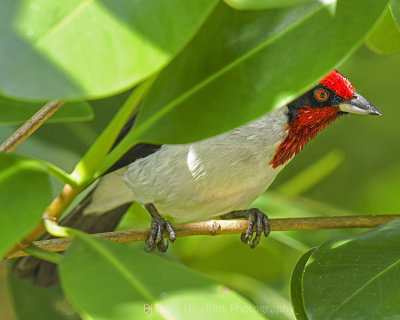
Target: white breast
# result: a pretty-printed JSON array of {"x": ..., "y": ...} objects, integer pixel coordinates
[{"x": 215, "y": 176}]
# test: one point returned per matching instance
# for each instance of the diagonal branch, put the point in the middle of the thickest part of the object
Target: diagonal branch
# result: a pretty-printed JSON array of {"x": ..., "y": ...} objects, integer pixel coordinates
[
  {"x": 29, "y": 127},
  {"x": 221, "y": 227}
]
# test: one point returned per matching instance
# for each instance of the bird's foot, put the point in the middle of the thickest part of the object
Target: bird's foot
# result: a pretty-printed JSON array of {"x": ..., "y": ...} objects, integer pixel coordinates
[
  {"x": 157, "y": 228},
  {"x": 256, "y": 218}
]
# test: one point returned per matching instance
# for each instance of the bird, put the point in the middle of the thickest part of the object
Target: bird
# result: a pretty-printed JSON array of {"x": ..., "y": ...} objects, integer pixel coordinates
[{"x": 216, "y": 177}]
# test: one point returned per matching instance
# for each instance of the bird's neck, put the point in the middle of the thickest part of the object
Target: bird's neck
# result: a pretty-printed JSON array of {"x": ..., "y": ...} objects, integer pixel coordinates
[{"x": 300, "y": 130}]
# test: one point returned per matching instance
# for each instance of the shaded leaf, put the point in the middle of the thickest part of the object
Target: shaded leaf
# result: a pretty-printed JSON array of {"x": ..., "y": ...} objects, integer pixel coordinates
[
  {"x": 134, "y": 284},
  {"x": 24, "y": 193},
  {"x": 355, "y": 277},
  {"x": 84, "y": 49},
  {"x": 17, "y": 112},
  {"x": 34, "y": 303},
  {"x": 269, "y": 301}
]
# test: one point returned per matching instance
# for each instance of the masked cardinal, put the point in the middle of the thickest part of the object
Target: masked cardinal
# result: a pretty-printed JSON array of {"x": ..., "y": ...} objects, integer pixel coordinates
[{"x": 217, "y": 177}]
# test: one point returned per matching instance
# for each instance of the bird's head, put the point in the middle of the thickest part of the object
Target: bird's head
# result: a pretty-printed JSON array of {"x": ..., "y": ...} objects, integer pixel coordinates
[{"x": 313, "y": 111}]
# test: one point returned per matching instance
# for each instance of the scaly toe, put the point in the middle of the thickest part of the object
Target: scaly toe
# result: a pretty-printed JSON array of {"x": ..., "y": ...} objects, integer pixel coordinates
[
  {"x": 149, "y": 248},
  {"x": 259, "y": 229},
  {"x": 171, "y": 231},
  {"x": 156, "y": 236},
  {"x": 267, "y": 225},
  {"x": 151, "y": 240},
  {"x": 245, "y": 237},
  {"x": 262, "y": 225},
  {"x": 160, "y": 231}
]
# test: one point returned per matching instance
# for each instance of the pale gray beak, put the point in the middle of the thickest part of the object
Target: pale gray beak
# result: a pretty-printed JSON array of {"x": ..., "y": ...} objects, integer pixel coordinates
[{"x": 359, "y": 105}]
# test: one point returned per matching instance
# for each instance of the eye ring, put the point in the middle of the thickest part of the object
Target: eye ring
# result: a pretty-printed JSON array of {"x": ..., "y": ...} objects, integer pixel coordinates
[{"x": 321, "y": 95}]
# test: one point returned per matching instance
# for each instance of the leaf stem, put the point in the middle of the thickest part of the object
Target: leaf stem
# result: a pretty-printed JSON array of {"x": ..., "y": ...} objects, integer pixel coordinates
[
  {"x": 56, "y": 230},
  {"x": 43, "y": 254},
  {"x": 97, "y": 155},
  {"x": 58, "y": 173},
  {"x": 221, "y": 227}
]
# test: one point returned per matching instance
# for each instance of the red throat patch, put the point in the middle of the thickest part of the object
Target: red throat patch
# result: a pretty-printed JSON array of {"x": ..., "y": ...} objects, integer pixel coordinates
[
  {"x": 306, "y": 126},
  {"x": 339, "y": 84}
]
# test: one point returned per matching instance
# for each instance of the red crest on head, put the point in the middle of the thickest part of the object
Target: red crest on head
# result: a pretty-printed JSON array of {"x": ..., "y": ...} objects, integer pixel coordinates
[{"x": 339, "y": 84}]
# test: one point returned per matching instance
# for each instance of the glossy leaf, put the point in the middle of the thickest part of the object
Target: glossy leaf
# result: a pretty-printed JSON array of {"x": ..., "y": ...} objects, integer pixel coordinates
[
  {"x": 209, "y": 89},
  {"x": 394, "y": 6},
  {"x": 385, "y": 39},
  {"x": 271, "y": 303},
  {"x": 261, "y": 4},
  {"x": 105, "y": 280},
  {"x": 84, "y": 49},
  {"x": 17, "y": 112},
  {"x": 355, "y": 277},
  {"x": 296, "y": 286},
  {"x": 35, "y": 303},
  {"x": 24, "y": 193}
]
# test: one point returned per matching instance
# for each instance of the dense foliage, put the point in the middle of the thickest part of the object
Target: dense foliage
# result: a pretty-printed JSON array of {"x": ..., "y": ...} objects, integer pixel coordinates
[{"x": 201, "y": 68}]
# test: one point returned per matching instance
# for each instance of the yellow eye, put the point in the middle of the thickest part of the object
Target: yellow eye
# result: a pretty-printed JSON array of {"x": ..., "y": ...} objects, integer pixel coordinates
[{"x": 321, "y": 95}]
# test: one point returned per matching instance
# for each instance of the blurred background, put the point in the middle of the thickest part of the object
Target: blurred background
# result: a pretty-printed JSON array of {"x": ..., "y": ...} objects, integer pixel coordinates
[{"x": 352, "y": 167}]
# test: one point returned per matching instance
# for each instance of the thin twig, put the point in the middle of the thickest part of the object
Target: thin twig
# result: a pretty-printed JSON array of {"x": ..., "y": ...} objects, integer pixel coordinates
[
  {"x": 221, "y": 227},
  {"x": 29, "y": 127}
]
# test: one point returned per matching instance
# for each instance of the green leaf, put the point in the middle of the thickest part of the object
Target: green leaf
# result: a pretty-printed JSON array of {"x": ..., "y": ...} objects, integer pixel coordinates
[
  {"x": 394, "y": 6},
  {"x": 270, "y": 302},
  {"x": 84, "y": 49},
  {"x": 105, "y": 280},
  {"x": 385, "y": 39},
  {"x": 355, "y": 277},
  {"x": 296, "y": 286},
  {"x": 16, "y": 112},
  {"x": 258, "y": 60},
  {"x": 35, "y": 303},
  {"x": 24, "y": 193},
  {"x": 261, "y": 4}
]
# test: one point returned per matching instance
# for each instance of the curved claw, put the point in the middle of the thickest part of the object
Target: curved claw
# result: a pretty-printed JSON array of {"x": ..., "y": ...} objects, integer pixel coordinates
[
  {"x": 259, "y": 229},
  {"x": 256, "y": 218},
  {"x": 162, "y": 246},
  {"x": 157, "y": 228},
  {"x": 171, "y": 231}
]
